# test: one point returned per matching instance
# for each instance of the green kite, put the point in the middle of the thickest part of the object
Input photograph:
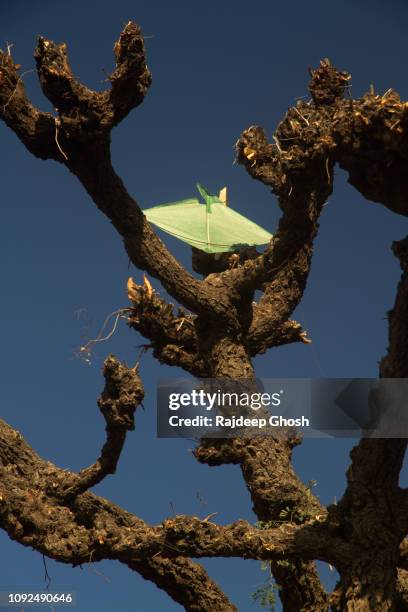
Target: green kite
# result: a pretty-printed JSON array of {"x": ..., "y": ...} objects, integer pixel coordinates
[{"x": 212, "y": 227}]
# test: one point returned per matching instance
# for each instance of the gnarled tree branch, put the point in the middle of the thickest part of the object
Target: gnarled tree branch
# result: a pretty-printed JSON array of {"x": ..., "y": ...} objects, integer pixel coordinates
[
  {"x": 35, "y": 129},
  {"x": 80, "y": 138},
  {"x": 122, "y": 394},
  {"x": 362, "y": 534},
  {"x": 186, "y": 582},
  {"x": 85, "y": 528},
  {"x": 173, "y": 338},
  {"x": 374, "y": 508},
  {"x": 76, "y": 529}
]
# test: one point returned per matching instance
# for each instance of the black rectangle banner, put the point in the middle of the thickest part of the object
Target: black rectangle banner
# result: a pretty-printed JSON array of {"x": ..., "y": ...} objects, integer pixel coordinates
[{"x": 338, "y": 407}]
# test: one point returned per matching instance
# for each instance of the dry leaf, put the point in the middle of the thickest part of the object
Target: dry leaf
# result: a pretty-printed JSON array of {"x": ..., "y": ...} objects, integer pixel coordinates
[
  {"x": 131, "y": 290},
  {"x": 249, "y": 153},
  {"x": 148, "y": 287}
]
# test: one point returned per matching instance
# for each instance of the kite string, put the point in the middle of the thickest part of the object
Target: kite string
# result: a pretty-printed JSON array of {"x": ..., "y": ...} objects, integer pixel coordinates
[
  {"x": 207, "y": 217},
  {"x": 86, "y": 348}
]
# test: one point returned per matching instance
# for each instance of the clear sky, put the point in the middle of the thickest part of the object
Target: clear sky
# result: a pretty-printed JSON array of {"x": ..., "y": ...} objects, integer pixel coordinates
[{"x": 217, "y": 67}]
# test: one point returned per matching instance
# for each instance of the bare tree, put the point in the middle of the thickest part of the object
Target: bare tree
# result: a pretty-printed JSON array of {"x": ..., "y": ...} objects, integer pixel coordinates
[{"x": 52, "y": 510}]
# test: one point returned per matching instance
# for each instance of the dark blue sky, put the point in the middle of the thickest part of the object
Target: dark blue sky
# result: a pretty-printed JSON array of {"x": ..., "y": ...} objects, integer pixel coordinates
[{"x": 217, "y": 68}]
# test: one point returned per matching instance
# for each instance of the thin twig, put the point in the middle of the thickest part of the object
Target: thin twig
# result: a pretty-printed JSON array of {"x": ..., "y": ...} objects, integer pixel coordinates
[
  {"x": 300, "y": 115},
  {"x": 100, "y": 338},
  {"x": 277, "y": 144},
  {"x": 328, "y": 171},
  {"x": 57, "y": 125},
  {"x": 46, "y": 574},
  {"x": 15, "y": 88},
  {"x": 209, "y": 517}
]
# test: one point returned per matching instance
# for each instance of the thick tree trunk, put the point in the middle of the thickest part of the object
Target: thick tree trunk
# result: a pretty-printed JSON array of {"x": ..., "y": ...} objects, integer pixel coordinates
[
  {"x": 265, "y": 464},
  {"x": 368, "y": 585}
]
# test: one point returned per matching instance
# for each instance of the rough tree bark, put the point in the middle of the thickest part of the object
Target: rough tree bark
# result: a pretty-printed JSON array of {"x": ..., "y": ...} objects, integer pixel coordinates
[{"x": 52, "y": 510}]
